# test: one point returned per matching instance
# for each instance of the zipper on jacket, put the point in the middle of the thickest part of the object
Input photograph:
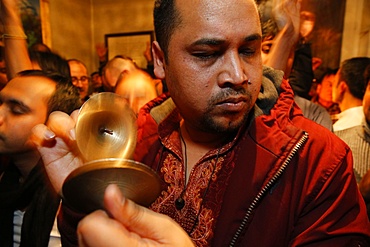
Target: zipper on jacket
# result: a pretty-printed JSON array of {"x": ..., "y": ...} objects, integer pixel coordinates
[{"x": 266, "y": 188}]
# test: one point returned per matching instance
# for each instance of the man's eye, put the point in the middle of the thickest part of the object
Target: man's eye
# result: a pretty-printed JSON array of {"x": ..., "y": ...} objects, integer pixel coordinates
[
  {"x": 17, "y": 110},
  {"x": 248, "y": 52},
  {"x": 205, "y": 55}
]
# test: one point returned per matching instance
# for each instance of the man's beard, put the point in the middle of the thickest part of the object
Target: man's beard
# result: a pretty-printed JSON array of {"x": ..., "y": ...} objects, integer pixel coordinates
[{"x": 208, "y": 122}]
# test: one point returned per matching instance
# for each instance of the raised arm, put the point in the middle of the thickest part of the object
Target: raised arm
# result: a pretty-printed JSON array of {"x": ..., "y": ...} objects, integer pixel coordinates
[
  {"x": 15, "y": 40},
  {"x": 286, "y": 14}
]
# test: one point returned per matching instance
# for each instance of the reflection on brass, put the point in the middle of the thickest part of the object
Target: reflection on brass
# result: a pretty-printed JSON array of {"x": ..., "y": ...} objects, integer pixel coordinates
[
  {"x": 106, "y": 137},
  {"x": 106, "y": 128}
]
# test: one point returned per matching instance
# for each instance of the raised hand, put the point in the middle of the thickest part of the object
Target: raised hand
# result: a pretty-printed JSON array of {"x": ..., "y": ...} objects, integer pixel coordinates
[
  {"x": 56, "y": 143},
  {"x": 286, "y": 14}
]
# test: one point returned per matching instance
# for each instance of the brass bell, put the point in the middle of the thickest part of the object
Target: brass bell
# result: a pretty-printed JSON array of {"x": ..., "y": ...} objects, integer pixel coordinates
[{"x": 106, "y": 137}]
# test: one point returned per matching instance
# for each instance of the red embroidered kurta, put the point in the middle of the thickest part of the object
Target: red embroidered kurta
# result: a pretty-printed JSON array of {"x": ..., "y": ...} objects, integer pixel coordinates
[{"x": 283, "y": 180}]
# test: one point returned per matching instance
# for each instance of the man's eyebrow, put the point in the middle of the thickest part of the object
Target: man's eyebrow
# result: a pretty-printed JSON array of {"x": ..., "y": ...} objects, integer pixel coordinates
[
  {"x": 253, "y": 37},
  {"x": 208, "y": 41},
  {"x": 12, "y": 101},
  {"x": 215, "y": 42}
]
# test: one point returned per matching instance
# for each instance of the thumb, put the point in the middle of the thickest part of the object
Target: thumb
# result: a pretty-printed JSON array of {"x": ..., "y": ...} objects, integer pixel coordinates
[
  {"x": 133, "y": 216},
  {"x": 143, "y": 222}
]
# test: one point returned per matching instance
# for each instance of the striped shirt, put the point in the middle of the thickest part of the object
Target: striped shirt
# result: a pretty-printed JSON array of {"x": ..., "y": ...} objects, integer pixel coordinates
[{"x": 358, "y": 139}]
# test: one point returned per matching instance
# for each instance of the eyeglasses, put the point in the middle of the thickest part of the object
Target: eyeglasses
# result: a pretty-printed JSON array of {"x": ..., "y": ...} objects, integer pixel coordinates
[{"x": 82, "y": 79}]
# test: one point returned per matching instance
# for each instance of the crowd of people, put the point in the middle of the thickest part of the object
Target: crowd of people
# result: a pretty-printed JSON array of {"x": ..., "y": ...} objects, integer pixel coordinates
[{"x": 250, "y": 147}]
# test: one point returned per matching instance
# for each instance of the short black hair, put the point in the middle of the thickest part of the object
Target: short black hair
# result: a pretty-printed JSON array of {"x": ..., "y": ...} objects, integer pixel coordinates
[
  {"x": 327, "y": 72},
  {"x": 50, "y": 62},
  {"x": 94, "y": 73},
  {"x": 166, "y": 19},
  {"x": 352, "y": 72},
  {"x": 367, "y": 75},
  {"x": 65, "y": 98}
]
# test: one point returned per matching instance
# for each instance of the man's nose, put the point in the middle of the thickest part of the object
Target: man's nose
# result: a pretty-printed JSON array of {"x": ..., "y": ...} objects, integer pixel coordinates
[
  {"x": 2, "y": 114},
  {"x": 78, "y": 83},
  {"x": 233, "y": 71}
]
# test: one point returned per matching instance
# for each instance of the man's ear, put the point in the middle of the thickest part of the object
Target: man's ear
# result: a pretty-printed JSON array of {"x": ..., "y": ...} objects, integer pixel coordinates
[
  {"x": 343, "y": 87},
  {"x": 158, "y": 60},
  {"x": 318, "y": 88}
]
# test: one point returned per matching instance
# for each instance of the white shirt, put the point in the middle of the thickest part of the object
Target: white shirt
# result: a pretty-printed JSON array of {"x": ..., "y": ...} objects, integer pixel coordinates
[
  {"x": 349, "y": 118},
  {"x": 17, "y": 221}
]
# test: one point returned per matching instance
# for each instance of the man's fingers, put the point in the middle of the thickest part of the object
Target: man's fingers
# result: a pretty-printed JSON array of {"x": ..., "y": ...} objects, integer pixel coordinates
[
  {"x": 97, "y": 229},
  {"x": 42, "y": 136},
  {"x": 142, "y": 222},
  {"x": 57, "y": 147},
  {"x": 127, "y": 212},
  {"x": 133, "y": 216},
  {"x": 59, "y": 124},
  {"x": 74, "y": 115},
  {"x": 62, "y": 125}
]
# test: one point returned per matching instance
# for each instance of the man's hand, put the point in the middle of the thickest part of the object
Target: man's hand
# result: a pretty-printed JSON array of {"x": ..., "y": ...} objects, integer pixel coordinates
[
  {"x": 129, "y": 225},
  {"x": 57, "y": 145},
  {"x": 286, "y": 14}
]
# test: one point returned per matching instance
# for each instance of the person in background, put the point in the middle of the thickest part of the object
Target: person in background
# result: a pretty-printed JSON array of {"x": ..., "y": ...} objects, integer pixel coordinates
[
  {"x": 3, "y": 76},
  {"x": 14, "y": 38},
  {"x": 138, "y": 87},
  {"x": 96, "y": 82},
  {"x": 358, "y": 139},
  {"x": 49, "y": 62},
  {"x": 114, "y": 68},
  {"x": 281, "y": 36},
  {"x": 28, "y": 204},
  {"x": 80, "y": 78},
  {"x": 18, "y": 56},
  {"x": 348, "y": 92},
  {"x": 323, "y": 93}
]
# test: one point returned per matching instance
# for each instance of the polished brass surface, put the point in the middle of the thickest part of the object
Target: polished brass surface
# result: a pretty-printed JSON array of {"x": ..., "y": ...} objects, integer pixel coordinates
[
  {"x": 106, "y": 128},
  {"x": 84, "y": 187},
  {"x": 106, "y": 137}
]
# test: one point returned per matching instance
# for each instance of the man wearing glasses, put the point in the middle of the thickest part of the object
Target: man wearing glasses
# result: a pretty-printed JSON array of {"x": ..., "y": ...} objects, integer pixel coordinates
[{"x": 80, "y": 78}]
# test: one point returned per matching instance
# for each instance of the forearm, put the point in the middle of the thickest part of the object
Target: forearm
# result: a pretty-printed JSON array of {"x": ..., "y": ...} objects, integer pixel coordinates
[
  {"x": 15, "y": 40},
  {"x": 281, "y": 51}
]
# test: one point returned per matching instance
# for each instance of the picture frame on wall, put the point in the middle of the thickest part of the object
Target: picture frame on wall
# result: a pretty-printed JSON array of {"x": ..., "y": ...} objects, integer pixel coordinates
[
  {"x": 35, "y": 19},
  {"x": 130, "y": 44}
]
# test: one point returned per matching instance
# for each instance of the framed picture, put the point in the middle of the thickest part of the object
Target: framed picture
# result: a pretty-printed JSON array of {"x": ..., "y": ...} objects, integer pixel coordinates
[
  {"x": 45, "y": 22},
  {"x": 132, "y": 44},
  {"x": 35, "y": 19}
]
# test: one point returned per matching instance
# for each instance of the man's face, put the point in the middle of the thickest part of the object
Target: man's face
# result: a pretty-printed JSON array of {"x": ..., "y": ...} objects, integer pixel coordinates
[
  {"x": 23, "y": 104},
  {"x": 80, "y": 78},
  {"x": 366, "y": 103},
  {"x": 336, "y": 94},
  {"x": 325, "y": 89},
  {"x": 96, "y": 81},
  {"x": 113, "y": 73},
  {"x": 211, "y": 55},
  {"x": 3, "y": 76},
  {"x": 307, "y": 23},
  {"x": 137, "y": 87}
]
